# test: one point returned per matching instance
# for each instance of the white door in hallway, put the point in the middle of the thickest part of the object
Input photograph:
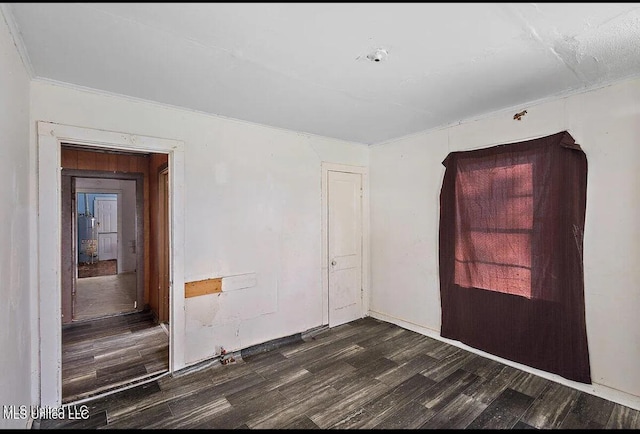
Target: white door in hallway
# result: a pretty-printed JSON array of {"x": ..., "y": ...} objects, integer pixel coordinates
[
  {"x": 344, "y": 199},
  {"x": 106, "y": 212}
]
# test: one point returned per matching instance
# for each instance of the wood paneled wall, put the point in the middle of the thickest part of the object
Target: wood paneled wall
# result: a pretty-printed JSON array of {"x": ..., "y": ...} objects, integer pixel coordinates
[
  {"x": 79, "y": 159},
  {"x": 156, "y": 163}
]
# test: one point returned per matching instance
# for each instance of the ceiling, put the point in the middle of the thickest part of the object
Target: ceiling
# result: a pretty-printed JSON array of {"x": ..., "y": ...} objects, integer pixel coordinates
[{"x": 306, "y": 67}]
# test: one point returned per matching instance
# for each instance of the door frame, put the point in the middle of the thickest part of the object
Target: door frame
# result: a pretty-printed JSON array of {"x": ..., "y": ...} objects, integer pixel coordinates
[
  {"x": 49, "y": 238},
  {"x": 118, "y": 193},
  {"x": 327, "y": 167},
  {"x": 139, "y": 182}
]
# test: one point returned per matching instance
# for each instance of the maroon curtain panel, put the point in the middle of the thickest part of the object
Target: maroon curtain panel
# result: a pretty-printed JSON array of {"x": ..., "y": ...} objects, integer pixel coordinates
[{"x": 510, "y": 248}]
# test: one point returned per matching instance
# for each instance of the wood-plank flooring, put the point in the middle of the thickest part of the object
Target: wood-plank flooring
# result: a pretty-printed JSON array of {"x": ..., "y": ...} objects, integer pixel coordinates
[
  {"x": 367, "y": 374},
  {"x": 107, "y": 353}
]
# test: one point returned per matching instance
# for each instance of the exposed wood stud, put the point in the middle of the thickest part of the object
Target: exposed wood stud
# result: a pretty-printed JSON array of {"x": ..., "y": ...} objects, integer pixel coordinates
[{"x": 202, "y": 287}]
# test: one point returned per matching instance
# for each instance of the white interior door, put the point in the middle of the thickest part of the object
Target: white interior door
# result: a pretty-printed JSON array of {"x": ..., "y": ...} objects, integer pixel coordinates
[
  {"x": 106, "y": 212},
  {"x": 344, "y": 198}
]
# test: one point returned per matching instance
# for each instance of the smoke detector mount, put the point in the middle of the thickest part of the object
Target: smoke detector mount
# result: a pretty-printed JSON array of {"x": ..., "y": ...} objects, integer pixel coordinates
[{"x": 378, "y": 55}]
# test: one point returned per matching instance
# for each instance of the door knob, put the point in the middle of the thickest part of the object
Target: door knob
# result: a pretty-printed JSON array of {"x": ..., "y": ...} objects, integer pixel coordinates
[{"x": 333, "y": 262}]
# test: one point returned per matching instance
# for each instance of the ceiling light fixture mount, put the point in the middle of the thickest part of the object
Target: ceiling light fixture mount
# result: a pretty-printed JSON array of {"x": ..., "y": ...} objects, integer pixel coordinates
[{"x": 378, "y": 55}]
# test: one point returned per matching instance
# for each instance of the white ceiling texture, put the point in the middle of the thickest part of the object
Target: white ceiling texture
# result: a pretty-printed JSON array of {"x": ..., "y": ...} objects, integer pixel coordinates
[{"x": 310, "y": 67}]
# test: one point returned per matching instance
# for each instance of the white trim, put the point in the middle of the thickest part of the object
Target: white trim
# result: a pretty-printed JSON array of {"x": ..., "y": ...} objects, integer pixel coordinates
[
  {"x": 364, "y": 171},
  {"x": 17, "y": 39},
  {"x": 107, "y": 139},
  {"x": 596, "y": 389},
  {"x": 50, "y": 137}
]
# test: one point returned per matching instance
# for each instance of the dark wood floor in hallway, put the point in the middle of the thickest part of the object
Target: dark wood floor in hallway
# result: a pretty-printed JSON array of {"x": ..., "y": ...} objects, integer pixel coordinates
[
  {"x": 360, "y": 375},
  {"x": 107, "y": 353}
]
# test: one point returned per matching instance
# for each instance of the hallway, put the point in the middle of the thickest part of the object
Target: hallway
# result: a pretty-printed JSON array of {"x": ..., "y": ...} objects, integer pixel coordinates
[{"x": 104, "y": 295}]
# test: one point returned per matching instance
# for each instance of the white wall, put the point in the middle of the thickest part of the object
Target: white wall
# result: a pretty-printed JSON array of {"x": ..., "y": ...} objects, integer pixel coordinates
[
  {"x": 15, "y": 331},
  {"x": 252, "y": 205},
  {"x": 406, "y": 177},
  {"x": 126, "y": 212}
]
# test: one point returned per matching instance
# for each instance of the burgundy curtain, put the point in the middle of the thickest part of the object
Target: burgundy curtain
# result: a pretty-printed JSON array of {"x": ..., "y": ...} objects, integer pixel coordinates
[{"x": 511, "y": 231}]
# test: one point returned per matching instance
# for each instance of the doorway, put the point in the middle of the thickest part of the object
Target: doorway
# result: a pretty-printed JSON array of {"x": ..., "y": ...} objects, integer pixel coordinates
[
  {"x": 111, "y": 336},
  {"x": 106, "y": 244},
  {"x": 91, "y": 297},
  {"x": 97, "y": 233},
  {"x": 50, "y": 137}
]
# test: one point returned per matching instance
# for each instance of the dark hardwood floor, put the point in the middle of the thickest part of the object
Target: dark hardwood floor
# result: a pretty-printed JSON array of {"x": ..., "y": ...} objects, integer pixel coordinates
[
  {"x": 360, "y": 375},
  {"x": 108, "y": 353}
]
